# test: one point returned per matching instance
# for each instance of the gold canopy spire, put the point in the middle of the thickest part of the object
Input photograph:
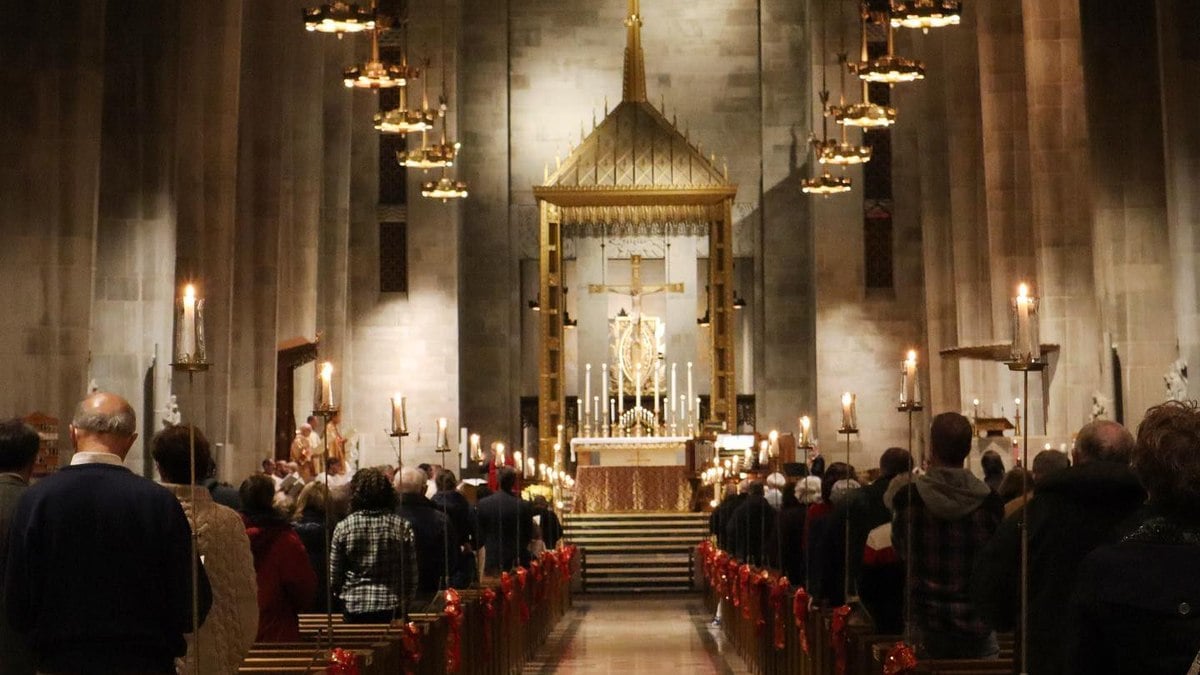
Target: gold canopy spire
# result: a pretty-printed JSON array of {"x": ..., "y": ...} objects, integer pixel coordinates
[{"x": 635, "y": 61}]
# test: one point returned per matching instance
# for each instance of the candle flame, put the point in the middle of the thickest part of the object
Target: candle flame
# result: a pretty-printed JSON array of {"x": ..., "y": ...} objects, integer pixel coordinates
[
  {"x": 1023, "y": 290},
  {"x": 475, "y": 439},
  {"x": 847, "y": 398},
  {"x": 975, "y": 402},
  {"x": 805, "y": 423},
  {"x": 398, "y": 397},
  {"x": 774, "y": 435},
  {"x": 1017, "y": 401},
  {"x": 189, "y": 293},
  {"x": 327, "y": 371},
  {"x": 763, "y": 445},
  {"x": 442, "y": 422},
  {"x": 912, "y": 355},
  {"x": 500, "y": 448}
]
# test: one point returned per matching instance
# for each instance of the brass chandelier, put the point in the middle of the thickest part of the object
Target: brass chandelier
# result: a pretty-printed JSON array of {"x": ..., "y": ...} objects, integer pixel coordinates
[
  {"x": 438, "y": 154},
  {"x": 339, "y": 18},
  {"x": 825, "y": 184},
  {"x": 404, "y": 120},
  {"x": 831, "y": 150},
  {"x": 377, "y": 74},
  {"x": 926, "y": 14},
  {"x": 888, "y": 68},
  {"x": 444, "y": 188},
  {"x": 864, "y": 114}
]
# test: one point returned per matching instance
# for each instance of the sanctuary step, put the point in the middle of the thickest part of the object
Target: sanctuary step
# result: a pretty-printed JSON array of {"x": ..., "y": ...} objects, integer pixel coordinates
[{"x": 625, "y": 552}]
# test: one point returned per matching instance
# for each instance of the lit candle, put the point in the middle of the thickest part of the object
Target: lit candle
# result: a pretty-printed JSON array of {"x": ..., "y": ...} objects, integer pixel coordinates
[
  {"x": 773, "y": 437},
  {"x": 690, "y": 395},
  {"x": 805, "y": 431},
  {"x": 749, "y": 456},
  {"x": 519, "y": 462},
  {"x": 612, "y": 411},
  {"x": 672, "y": 392},
  {"x": 187, "y": 336},
  {"x": 975, "y": 402},
  {"x": 500, "y": 454},
  {"x": 847, "y": 411},
  {"x": 476, "y": 451},
  {"x": 683, "y": 409},
  {"x": 763, "y": 453},
  {"x": 1025, "y": 339},
  {"x": 655, "y": 366},
  {"x": 326, "y": 401},
  {"x": 443, "y": 440},
  {"x": 596, "y": 411},
  {"x": 463, "y": 449},
  {"x": 529, "y": 468},
  {"x": 399, "y": 415},
  {"x": 587, "y": 391},
  {"x": 620, "y": 383},
  {"x": 908, "y": 393},
  {"x": 697, "y": 418},
  {"x": 579, "y": 415}
]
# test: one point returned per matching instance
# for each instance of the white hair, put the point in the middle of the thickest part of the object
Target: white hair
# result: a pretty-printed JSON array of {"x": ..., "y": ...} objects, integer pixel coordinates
[
  {"x": 777, "y": 481},
  {"x": 808, "y": 490},
  {"x": 411, "y": 481},
  {"x": 843, "y": 490}
]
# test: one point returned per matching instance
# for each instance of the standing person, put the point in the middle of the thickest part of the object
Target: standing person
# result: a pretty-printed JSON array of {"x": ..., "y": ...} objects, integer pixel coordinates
[
  {"x": 435, "y": 538},
  {"x": 1134, "y": 608},
  {"x": 458, "y": 509},
  {"x": 19, "y": 444},
  {"x": 286, "y": 582},
  {"x": 548, "y": 521},
  {"x": 232, "y": 624},
  {"x": 316, "y": 446},
  {"x": 993, "y": 469},
  {"x": 308, "y": 520},
  {"x": 505, "y": 525},
  {"x": 879, "y": 575},
  {"x": 302, "y": 453},
  {"x": 952, "y": 514},
  {"x": 99, "y": 569},
  {"x": 1073, "y": 511},
  {"x": 373, "y": 556}
]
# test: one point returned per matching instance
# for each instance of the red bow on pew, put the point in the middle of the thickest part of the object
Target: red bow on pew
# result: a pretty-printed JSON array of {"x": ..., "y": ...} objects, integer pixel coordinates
[
  {"x": 522, "y": 580},
  {"x": 410, "y": 639},
  {"x": 454, "y": 615},
  {"x": 489, "y": 612},
  {"x": 800, "y": 603},
  {"x": 778, "y": 590},
  {"x": 900, "y": 660},
  {"x": 744, "y": 587},
  {"x": 840, "y": 638},
  {"x": 342, "y": 662}
]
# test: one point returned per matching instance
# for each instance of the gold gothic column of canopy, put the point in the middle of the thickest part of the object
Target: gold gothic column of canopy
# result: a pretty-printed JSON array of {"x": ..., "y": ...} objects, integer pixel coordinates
[{"x": 635, "y": 168}]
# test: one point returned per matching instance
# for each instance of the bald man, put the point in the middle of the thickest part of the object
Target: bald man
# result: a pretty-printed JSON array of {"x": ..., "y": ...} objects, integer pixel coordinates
[
  {"x": 99, "y": 568},
  {"x": 1073, "y": 511}
]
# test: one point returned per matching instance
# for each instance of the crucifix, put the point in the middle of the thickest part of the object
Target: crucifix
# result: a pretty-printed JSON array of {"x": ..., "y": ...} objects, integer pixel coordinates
[{"x": 635, "y": 289}]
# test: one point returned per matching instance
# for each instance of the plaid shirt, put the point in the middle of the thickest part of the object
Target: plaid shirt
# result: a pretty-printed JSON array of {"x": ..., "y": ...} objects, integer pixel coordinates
[
  {"x": 374, "y": 562},
  {"x": 943, "y": 554}
]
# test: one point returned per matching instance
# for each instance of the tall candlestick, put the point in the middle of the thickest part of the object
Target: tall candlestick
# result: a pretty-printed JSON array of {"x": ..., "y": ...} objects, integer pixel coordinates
[
  {"x": 638, "y": 385},
  {"x": 463, "y": 451},
  {"x": 1025, "y": 345},
  {"x": 672, "y": 392},
  {"x": 443, "y": 441},
  {"x": 476, "y": 451},
  {"x": 908, "y": 391},
  {"x": 848, "y": 414},
  {"x": 326, "y": 401},
  {"x": 612, "y": 411},
  {"x": 690, "y": 395},
  {"x": 399, "y": 415},
  {"x": 597, "y": 412},
  {"x": 187, "y": 337},
  {"x": 587, "y": 391}
]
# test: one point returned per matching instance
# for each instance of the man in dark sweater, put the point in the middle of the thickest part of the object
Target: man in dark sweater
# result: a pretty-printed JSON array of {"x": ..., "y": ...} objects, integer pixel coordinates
[
  {"x": 19, "y": 445},
  {"x": 505, "y": 525},
  {"x": 436, "y": 539},
  {"x": 99, "y": 564},
  {"x": 1073, "y": 512}
]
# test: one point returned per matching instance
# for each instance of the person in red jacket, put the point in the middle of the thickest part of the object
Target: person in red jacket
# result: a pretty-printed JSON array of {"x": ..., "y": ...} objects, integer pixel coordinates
[{"x": 287, "y": 584}]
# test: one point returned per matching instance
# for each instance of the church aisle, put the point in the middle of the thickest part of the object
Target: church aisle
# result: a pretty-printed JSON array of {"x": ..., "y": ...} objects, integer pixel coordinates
[{"x": 636, "y": 634}]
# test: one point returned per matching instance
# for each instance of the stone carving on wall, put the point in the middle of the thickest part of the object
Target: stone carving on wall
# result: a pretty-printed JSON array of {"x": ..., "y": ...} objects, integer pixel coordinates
[
  {"x": 1100, "y": 404},
  {"x": 1176, "y": 381},
  {"x": 170, "y": 415}
]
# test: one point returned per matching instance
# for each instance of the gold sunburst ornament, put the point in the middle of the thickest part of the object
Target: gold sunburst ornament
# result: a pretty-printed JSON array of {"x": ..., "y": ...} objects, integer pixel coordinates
[
  {"x": 338, "y": 18},
  {"x": 926, "y": 14}
]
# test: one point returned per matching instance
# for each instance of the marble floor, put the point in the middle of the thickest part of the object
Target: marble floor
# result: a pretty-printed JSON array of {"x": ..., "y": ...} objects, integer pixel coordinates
[{"x": 637, "y": 634}]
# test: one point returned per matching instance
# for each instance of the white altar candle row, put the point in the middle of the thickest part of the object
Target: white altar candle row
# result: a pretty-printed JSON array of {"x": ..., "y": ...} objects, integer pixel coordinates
[{"x": 591, "y": 409}]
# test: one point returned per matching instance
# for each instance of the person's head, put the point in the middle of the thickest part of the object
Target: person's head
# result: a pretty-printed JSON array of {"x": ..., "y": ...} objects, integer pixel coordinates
[
  {"x": 950, "y": 439},
  {"x": 411, "y": 481},
  {"x": 893, "y": 462},
  {"x": 268, "y": 466},
  {"x": 1014, "y": 484},
  {"x": 808, "y": 490},
  {"x": 540, "y": 502},
  {"x": 371, "y": 491},
  {"x": 992, "y": 463},
  {"x": 446, "y": 482},
  {"x": 281, "y": 468},
  {"x": 314, "y": 497},
  {"x": 836, "y": 471},
  {"x": 1103, "y": 441},
  {"x": 171, "y": 449},
  {"x": 756, "y": 489},
  {"x": 104, "y": 423},
  {"x": 311, "y": 422},
  {"x": 842, "y": 491},
  {"x": 304, "y": 430},
  {"x": 508, "y": 478},
  {"x": 19, "y": 444},
  {"x": 777, "y": 481},
  {"x": 1047, "y": 462},
  {"x": 1166, "y": 457},
  {"x": 427, "y": 468},
  {"x": 257, "y": 493},
  {"x": 334, "y": 466}
]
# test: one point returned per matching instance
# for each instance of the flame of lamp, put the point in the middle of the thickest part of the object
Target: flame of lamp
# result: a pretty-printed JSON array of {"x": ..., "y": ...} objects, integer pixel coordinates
[
  {"x": 444, "y": 189},
  {"x": 826, "y": 184},
  {"x": 864, "y": 115},
  {"x": 890, "y": 69},
  {"x": 339, "y": 18},
  {"x": 926, "y": 14},
  {"x": 401, "y": 121},
  {"x": 436, "y": 156},
  {"x": 835, "y": 152},
  {"x": 379, "y": 75},
  {"x": 190, "y": 347}
]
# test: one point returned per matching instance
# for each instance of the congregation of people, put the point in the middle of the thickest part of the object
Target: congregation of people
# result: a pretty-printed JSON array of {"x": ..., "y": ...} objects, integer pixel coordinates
[
  {"x": 97, "y": 563},
  {"x": 1114, "y": 544}
]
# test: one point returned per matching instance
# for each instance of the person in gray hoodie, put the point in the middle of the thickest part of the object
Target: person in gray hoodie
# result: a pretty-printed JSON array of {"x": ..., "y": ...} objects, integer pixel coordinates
[{"x": 949, "y": 515}]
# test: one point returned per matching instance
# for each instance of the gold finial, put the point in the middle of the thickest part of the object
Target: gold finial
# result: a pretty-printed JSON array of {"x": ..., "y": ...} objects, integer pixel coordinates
[{"x": 634, "y": 88}]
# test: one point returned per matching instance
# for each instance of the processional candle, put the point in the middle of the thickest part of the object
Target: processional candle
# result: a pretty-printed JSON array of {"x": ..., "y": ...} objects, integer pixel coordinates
[
  {"x": 805, "y": 431},
  {"x": 908, "y": 379},
  {"x": 325, "y": 398},
  {"x": 1026, "y": 346},
  {"x": 849, "y": 420},
  {"x": 399, "y": 414}
]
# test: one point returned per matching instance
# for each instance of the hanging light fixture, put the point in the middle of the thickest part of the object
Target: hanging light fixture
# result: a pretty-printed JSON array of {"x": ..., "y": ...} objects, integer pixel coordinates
[
  {"x": 377, "y": 74},
  {"x": 439, "y": 154},
  {"x": 403, "y": 120},
  {"x": 888, "y": 68},
  {"x": 865, "y": 115},
  {"x": 926, "y": 14},
  {"x": 445, "y": 189},
  {"x": 339, "y": 18},
  {"x": 435, "y": 156},
  {"x": 829, "y": 150}
]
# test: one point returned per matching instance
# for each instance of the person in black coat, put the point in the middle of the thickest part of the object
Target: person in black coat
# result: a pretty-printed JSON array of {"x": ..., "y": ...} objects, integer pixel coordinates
[
  {"x": 1136, "y": 603},
  {"x": 437, "y": 542},
  {"x": 547, "y": 522},
  {"x": 462, "y": 519},
  {"x": 751, "y": 529},
  {"x": 308, "y": 520},
  {"x": 718, "y": 521},
  {"x": 880, "y": 587},
  {"x": 1073, "y": 511},
  {"x": 505, "y": 525}
]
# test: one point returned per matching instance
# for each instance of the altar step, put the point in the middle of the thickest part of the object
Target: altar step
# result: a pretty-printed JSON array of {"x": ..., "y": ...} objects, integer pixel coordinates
[{"x": 625, "y": 552}]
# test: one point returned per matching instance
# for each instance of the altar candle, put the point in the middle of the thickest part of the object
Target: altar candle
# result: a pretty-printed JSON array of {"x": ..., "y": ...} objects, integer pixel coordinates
[
  {"x": 579, "y": 422},
  {"x": 612, "y": 411},
  {"x": 773, "y": 437},
  {"x": 187, "y": 337},
  {"x": 697, "y": 416},
  {"x": 476, "y": 451},
  {"x": 908, "y": 394},
  {"x": 326, "y": 387},
  {"x": 690, "y": 395},
  {"x": 683, "y": 409},
  {"x": 462, "y": 448},
  {"x": 672, "y": 392},
  {"x": 529, "y": 468},
  {"x": 443, "y": 440},
  {"x": 560, "y": 434},
  {"x": 805, "y": 431},
  {"x": 519, "y": 462},
  {"x": 749, "y": 456},
  {"x": 763, "y": 453},
  {"x": 399, "y": 416},
  {"x": 597, "y": 414},
  {"x": 587, "y": 391},
  {"x": 655, "y": 391},
  {"x": 847, "y": 411}
]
